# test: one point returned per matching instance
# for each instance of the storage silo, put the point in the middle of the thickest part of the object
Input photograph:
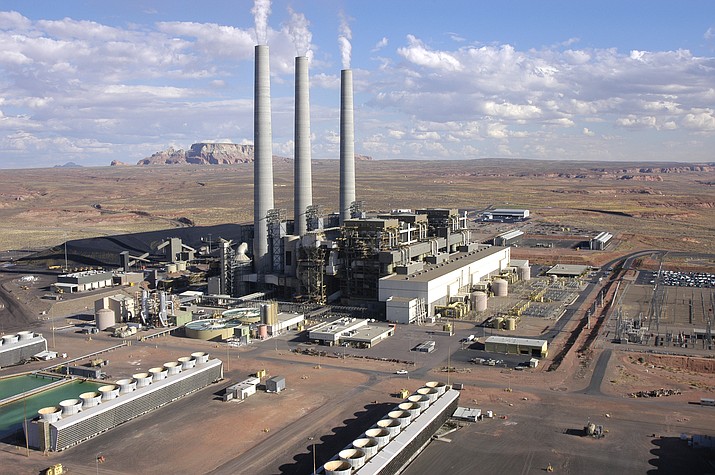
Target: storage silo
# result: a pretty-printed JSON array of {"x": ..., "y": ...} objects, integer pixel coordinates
[
  {"x": 499, "y": 323},
  {"x": 524, "y": 273},
  {"x": 479, "y": 301},
  {"x": 511, "y": 323},
  {"x": 104, "y": 318},
  {"x": 500, "y": 287}
]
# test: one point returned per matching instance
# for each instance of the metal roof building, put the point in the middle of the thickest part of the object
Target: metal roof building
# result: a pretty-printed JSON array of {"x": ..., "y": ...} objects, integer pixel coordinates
[
  {"x": 517, "y": 346},
  {"x": 600, "y": 242}
]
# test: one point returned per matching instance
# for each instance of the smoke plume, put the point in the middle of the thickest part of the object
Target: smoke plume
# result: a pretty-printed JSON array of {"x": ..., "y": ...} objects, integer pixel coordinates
[
  {"x": 344, "y": 41},
  {"x": 261, "y": 9},
  {"x": 299, "y": 33}
]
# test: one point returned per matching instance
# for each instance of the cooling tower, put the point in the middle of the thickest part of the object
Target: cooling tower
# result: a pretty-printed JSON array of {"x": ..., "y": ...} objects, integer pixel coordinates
[
  {"x": 347, "y": 145},
  {"x": 302, "y": 179},
  {"x": 263, "y": 160}
]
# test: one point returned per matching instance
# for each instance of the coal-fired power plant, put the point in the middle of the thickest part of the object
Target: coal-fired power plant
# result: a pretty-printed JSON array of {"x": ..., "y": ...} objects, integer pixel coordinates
[
  {"x": 302, "y": 179},
  {"x": 347, "y": 145},
  {"x": 263, "y": 160}
]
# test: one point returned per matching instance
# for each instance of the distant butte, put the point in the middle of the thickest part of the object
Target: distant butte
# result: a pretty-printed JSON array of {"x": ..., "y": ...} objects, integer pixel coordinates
[{"x": 204, "y": 153}]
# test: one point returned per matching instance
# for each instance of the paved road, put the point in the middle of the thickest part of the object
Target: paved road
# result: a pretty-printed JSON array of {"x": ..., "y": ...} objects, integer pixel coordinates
[{"x": 594, "y": 388}]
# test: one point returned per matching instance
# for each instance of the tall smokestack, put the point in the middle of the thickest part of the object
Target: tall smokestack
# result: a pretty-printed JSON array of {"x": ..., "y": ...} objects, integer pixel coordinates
[
  {"x": 302, "y": 179},
  {"x": 263, "y": 160},
  {"x": 347, "y": 145}
]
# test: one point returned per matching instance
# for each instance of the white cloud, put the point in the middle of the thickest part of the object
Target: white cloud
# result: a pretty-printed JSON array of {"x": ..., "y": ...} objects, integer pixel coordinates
[
  {"x": 418, "y": 54},
  {"x": 380, "y": 44},
  {"x": 587, "y": 132}
]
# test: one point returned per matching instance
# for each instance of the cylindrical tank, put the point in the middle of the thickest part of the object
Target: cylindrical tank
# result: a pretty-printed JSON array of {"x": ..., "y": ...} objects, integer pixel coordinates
[
  {"x": 143, "y": 379},
  {"x": 181, "y": 266},
  {"x": 126, "y": 385},
  {"x": 431, "y": 393},
  {"x": 110, "y": 391},
  {"x": 403, "y": 416},
  {"x": 104, "y": 318},
  {"x": 438, "y": 385},
  {"x": 524, "y": 273},
  {"x": 70, "y": 406},
  {"x": 172, "y": 367},
  {"x": 201, "y": 357},
  {"x": 355, "y": 457},
  {"x": 157, "y": 374},
  {"x": 90, "y": 399},
  {"x": 367, "y": 445},
  {"x": 262, "y": 331},
  {"x": 382, "y": 436},
  {"x": 187, "y": 362},
  {"x": 24, "y": 335},
  {"x": 171, "y": 268},
  {"x": 393, "y": 426},
  {"x": 490, "y": 414},
  {"x": 412, "y": 407},
  {"x": 337, "y": 467},
  {"x": 422, "y": 401},
  {"x": 479, "y": 301},
  {"x": 8, "y": 339},
  {"x": 498, "y": 322},
  {"x": 511, "y": 323},
  {"x": 500, "y": 287},
  {"x": 50, "y": 414}
]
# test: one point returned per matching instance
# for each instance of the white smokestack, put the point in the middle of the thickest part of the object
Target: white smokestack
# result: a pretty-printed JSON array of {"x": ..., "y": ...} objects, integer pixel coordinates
[
  {"x": 263, "y": 160},
  {"x": 303, "y": 181},
  {"x": 347, "y": 145}
]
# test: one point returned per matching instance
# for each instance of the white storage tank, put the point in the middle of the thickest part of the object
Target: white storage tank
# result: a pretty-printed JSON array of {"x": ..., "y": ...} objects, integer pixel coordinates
[
  {"x": 50, "y": 414},
  {"x": 104, "y": 318},
  {"x": 367, "y": 445},
  {"x": 337, "y": 467},
  {"x": 110, "y": 391},
  {"x": 157, "y": 374},
  {"x": 421, "y": 400},
  {"x": 392, "y": 426},
  {"x": 172, "y": 367},
  {"x": 171, "y": 268},
  {"x": 403, "y": 416},
  {"x": 524, "y": 273},
  {"x": 479, "y": 301},
  {"x": 142, "y": 379},
  {"x": 70, "y": 406},
  {"x": 187, "y": 362},
  {"x": 126, "y": 385},
  {"x": 500, "y": 287},
  {"x": 438, "y": 385},
  {"x": 181, "y": 266},
  {"x": 355, "y": 457},
  {"x": 90, "y": 399},
  {"x": 382, "y": 436},
  {"x": 201, "y": 357}
]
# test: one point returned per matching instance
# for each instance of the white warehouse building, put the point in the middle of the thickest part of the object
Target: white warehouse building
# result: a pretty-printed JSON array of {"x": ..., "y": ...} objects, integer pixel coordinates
[{"x": 437, "y": 283}]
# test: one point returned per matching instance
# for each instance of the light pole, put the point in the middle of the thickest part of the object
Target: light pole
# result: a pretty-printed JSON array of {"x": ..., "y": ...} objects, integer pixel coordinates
[{"x": 315, "y": 468}]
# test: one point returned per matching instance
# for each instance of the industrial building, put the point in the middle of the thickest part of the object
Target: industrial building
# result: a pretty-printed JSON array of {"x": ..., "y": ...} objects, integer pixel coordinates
[
  {"x": 517, "y": 346},
  {"x": 567, "y": 270},
  {"x": 242, "y": 390},
  {"x": 356, "y": 332},
  {"x": 508, "y": 238},
  {"x": 83, "y": 281},
  {"x": 435, "y": 283},
  {"x": 505, "y": 215},
  {"x": 600, "y": 242},
  {"x": 393, "y": 441},
  {"x": 19, "y": 347},
  {"x": 275, "y": 384},
  {"x": 73, "y": 421}
]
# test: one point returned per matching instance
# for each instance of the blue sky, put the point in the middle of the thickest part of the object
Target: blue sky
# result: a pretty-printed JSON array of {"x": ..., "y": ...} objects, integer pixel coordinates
[{"x": 96, "y": 81}]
